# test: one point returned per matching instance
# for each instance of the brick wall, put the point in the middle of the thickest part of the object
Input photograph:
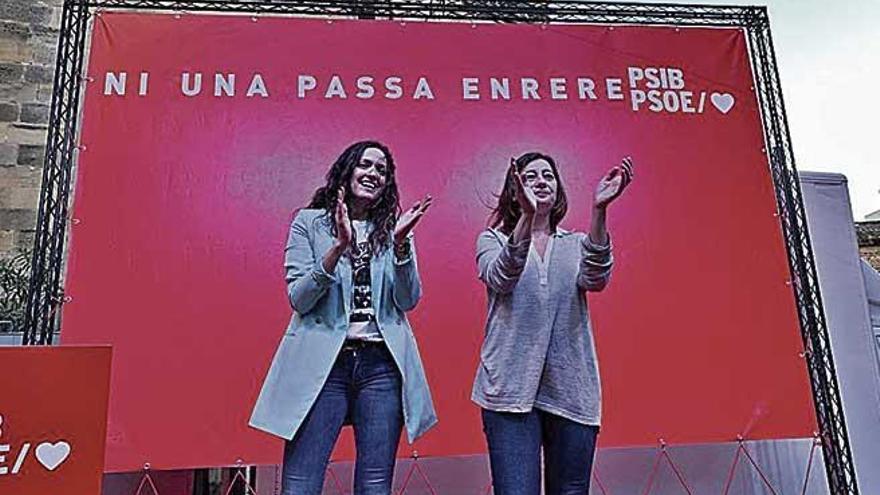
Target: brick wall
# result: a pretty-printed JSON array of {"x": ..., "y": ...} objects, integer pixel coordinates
[{"x": 28, "y": 39}]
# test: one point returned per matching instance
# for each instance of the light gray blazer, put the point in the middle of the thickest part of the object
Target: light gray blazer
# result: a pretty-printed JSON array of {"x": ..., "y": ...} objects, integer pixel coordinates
[{"x": 319, "y": 324}]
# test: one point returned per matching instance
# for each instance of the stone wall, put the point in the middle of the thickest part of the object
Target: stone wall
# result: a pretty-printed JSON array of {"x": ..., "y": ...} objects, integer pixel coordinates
[
  {"x": 871, "y": 255},
  {"x": 28, "y": 39},
  {"x": 868, "y": 234}
]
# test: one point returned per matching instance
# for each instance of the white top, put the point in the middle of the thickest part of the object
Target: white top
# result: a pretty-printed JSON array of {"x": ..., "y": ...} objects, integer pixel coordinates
[{"x": 362, "y": 318}]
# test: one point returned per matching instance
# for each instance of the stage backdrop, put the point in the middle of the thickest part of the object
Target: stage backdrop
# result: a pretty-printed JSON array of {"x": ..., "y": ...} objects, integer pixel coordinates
[{"x": 202, "y": 134}]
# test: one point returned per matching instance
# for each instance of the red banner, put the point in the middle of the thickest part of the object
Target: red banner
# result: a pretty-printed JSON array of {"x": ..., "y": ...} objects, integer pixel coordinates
[
  {"x": 203, "y": 134},
  {"x": 53, "y": 419}
]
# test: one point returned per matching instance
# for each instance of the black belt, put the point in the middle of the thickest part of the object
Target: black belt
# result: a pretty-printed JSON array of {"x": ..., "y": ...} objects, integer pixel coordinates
[{"x": 360, "y": 344}]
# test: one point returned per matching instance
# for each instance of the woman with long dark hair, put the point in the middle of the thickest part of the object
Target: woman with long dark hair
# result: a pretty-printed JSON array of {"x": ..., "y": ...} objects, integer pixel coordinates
[
  {"x": 348, "y": 355},
  {"x": 538, "y": 378}
]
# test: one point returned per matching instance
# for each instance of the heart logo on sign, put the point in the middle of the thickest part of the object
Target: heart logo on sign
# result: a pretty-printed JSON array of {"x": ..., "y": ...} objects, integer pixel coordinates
[
  {"x": 52, "y": 455},
  {"x": 723, "y": 101}
]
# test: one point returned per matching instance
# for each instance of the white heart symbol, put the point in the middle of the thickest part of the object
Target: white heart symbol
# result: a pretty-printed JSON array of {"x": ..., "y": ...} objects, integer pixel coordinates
[
  {"x": 51, "y": 456},
  {"x": 723, "y": 101}
]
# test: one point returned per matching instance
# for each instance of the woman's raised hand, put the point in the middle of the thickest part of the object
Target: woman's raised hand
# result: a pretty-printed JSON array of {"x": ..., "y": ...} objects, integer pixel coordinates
[
  {"x": 343, "y": 222},
  {"x": 410, "y": 218},
  {"x": 525, "y": 197},
  {"x": 612, "y": 185}
]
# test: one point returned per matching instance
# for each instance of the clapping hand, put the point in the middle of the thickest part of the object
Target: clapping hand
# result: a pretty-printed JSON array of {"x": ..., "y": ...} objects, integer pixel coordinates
[
  {"x": 410, "y": 218},
  {"x": 342, "y": 220},
  {"x": 525, "y": 197},
  {"x": 612, "y": 185}
]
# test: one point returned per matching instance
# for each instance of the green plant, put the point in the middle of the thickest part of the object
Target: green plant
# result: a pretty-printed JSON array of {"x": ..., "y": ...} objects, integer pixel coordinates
[{"x": 15, "y": 273}]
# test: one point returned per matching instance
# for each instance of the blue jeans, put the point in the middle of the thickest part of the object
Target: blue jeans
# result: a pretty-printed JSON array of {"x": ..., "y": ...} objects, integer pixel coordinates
[
  {"x": 515, "y": 441},
  {"x": 363, "y": 388}
]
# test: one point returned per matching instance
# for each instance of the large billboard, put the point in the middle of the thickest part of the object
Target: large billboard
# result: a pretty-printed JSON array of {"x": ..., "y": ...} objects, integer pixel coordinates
[{"x": 202, "y": 134}]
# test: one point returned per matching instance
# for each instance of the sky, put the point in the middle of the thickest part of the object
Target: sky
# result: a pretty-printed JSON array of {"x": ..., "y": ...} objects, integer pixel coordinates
[{"x": 829, "y": 65}]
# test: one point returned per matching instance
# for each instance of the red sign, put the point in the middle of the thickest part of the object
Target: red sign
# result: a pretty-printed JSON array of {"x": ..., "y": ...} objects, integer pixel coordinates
[
  {"x": 203, "y": 133},
  {"x": 53, "y": 419}
]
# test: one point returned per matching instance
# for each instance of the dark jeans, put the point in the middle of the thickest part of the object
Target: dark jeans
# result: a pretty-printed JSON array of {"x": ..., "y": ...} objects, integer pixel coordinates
[
  {"x": 515, "y": 441},
  {"x": 363, "y": 386}
]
